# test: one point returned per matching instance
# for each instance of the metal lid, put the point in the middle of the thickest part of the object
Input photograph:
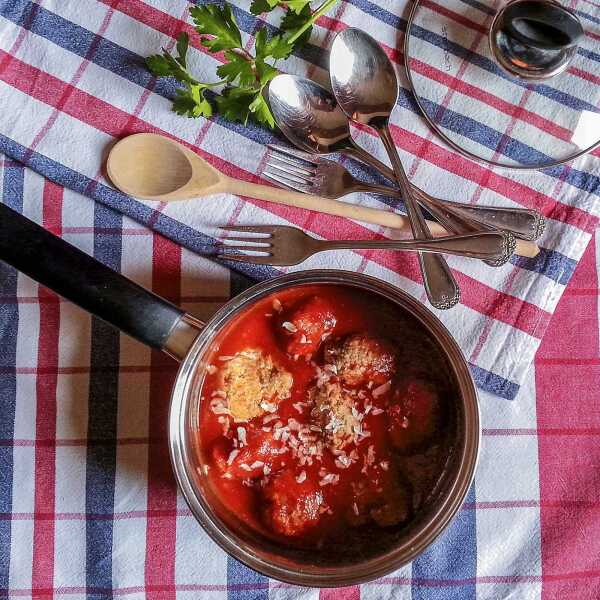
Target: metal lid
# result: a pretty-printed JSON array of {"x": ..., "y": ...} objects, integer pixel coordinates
[{"x": 515, "y": 85}]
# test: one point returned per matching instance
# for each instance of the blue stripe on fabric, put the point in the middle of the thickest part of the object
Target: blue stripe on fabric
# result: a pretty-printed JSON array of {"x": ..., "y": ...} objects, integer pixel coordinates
[
  {"x": 585, "y": 15},
  {"x": 591, "y": 56},
  {"x": 452, "y": 557},
  {"x": 102, "y": 419},
  {"x": 243, "y": 583},
  {"x": 12, "y": 196},
  {"x": 553, "y": 264},
  {"x": 131, "y": 66},
  {"x": 493, "y": 383},
  {"x": 15, "y": 11}
]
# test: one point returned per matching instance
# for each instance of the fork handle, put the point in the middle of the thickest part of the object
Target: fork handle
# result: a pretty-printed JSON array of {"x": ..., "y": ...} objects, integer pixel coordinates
[
  {"x": 452, "y": 219},
  {"x": 490, "y": 245}
]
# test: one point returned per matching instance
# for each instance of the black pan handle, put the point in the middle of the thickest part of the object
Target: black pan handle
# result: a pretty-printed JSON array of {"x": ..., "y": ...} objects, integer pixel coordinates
[
  {"x": 80, "y": 278},
  {"x": 542, "y": 24}
]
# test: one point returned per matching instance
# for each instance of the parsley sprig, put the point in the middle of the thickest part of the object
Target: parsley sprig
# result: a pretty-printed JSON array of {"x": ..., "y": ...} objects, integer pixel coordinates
[{"x": 243, "y": 76}]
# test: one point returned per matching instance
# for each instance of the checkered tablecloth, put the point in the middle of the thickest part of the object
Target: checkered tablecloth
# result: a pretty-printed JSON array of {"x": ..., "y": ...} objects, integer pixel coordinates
[{"x": 88, "y": 505}]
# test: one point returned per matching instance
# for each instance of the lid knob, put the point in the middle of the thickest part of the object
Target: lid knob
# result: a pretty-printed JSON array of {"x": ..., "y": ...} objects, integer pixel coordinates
[{"x": 535, "y": 39}]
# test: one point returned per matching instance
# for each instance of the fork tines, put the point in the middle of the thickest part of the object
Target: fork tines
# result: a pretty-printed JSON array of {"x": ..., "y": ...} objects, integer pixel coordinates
[
  {"x": 266, "y": 229},
  {"x": 299, "y": 155},
  {"x": 289, "y": 168},
  {"x": 237, "y": 252}
]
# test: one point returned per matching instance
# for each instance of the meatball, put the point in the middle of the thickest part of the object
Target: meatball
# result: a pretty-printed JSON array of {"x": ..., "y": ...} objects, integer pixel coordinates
[
  {"x": 386, "y": 506},
  {"x": 291, "y": 508},
  {"x": 253, "y": 383},
  {"x": 361, "y": 359},
  {"x": 311, "y": 323},
  {"x": 423, "y": 471},
  {"x": 414, "y": 416},
  {"x": 261, "y": 455},
  {"x": 333, "y": 412},
  {"x": 392, "y": 508}
]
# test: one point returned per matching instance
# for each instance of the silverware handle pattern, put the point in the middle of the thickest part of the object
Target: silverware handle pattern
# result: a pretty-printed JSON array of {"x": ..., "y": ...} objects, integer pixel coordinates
[
  {"x": 441, "y": 287},
  {"x": 526, "y": 224},
  {"x": 454, "y": 221}
]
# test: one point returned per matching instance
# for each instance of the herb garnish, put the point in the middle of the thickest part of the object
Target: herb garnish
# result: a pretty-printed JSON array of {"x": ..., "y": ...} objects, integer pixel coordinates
[{"x": 243, "y": 76}]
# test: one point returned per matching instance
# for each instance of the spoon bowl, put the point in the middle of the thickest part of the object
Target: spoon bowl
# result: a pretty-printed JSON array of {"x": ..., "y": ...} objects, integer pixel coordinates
[
  {"x": 154, "y": 167},
  {"x": 363, "y": 78},
  {"x": 308, "y": 115}
]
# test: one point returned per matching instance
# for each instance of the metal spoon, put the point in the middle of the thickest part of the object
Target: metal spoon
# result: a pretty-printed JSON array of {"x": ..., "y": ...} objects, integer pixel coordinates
[
  {"x": 364, "y": 83},
  {"x": 311, "y": 119}
]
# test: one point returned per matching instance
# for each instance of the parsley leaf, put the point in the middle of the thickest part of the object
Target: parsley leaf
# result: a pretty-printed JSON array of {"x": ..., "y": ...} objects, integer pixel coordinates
[
  {"x": 297, "y": 6},
  {"x": 219, "y": 22},
  {"x": 158, "y": 65},
  {"x": 276, "y": 46},
  {"x": 183, "y": 41},
  {"x": 265, "y": 72},
  {"x": 166, "y": 65},
  {"x": 292, "y": 22},
  {"x": 237, "y": 68},
  {"x": 244, "y": 75},
  {"x": 234, "y": 103},
  {"x": 261, "y": 112},
  {"x": 190, "y": 102},
  {"x": 258, "y": 7}
]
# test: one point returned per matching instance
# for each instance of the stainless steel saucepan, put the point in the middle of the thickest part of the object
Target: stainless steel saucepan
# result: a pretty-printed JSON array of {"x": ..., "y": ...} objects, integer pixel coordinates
[{"x": 159, "y": 324}]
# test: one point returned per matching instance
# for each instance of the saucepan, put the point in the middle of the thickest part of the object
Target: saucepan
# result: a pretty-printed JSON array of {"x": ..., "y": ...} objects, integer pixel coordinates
[{"x": 156, "y": 322}]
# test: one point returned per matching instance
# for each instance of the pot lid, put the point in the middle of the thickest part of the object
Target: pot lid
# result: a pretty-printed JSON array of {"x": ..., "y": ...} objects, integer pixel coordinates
[{"x": 512, "y": 84}]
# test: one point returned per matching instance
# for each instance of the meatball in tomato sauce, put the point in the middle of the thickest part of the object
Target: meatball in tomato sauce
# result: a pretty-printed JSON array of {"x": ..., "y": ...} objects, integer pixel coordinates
[
  {"x": 361, "y": 359},
  {"x": 292, "y": 506},
  {"x": 252, "y": 383},
  {"x": 259, "y": 454},
  {"x": 413, "y": 415},
  {"x": 308, "y": 326}
]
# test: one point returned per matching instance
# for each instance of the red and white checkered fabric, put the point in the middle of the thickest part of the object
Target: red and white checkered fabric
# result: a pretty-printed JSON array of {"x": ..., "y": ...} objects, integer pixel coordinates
[
  {"x": 88, "y": 506},
  {"x": 72, "y": 80}
]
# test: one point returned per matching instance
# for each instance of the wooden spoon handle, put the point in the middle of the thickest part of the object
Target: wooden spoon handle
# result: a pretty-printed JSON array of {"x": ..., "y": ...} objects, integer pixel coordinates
[
  {"x": 316, "y": 203},
  {"x": 343, "y": 209}
]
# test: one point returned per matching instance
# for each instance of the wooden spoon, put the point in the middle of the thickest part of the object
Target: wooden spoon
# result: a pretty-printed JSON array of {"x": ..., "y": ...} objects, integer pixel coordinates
[{"x": 155, "y": 167}]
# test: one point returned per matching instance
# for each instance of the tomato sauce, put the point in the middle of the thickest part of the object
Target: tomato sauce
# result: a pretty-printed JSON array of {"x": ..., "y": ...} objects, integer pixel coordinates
[{"x": 324, "y": 410}]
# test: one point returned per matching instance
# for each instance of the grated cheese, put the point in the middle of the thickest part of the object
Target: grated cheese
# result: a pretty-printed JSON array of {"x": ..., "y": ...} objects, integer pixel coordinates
[
  {"x": 232, "y": 456},
  {"x": 241, "y": 433},
  {"x": 384, "y": 388}
]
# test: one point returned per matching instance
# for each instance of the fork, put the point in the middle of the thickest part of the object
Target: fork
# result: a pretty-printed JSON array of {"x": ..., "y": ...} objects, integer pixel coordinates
[
  {"x": 283, "y": 245},
  {"x": 311, "y": 173}
]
